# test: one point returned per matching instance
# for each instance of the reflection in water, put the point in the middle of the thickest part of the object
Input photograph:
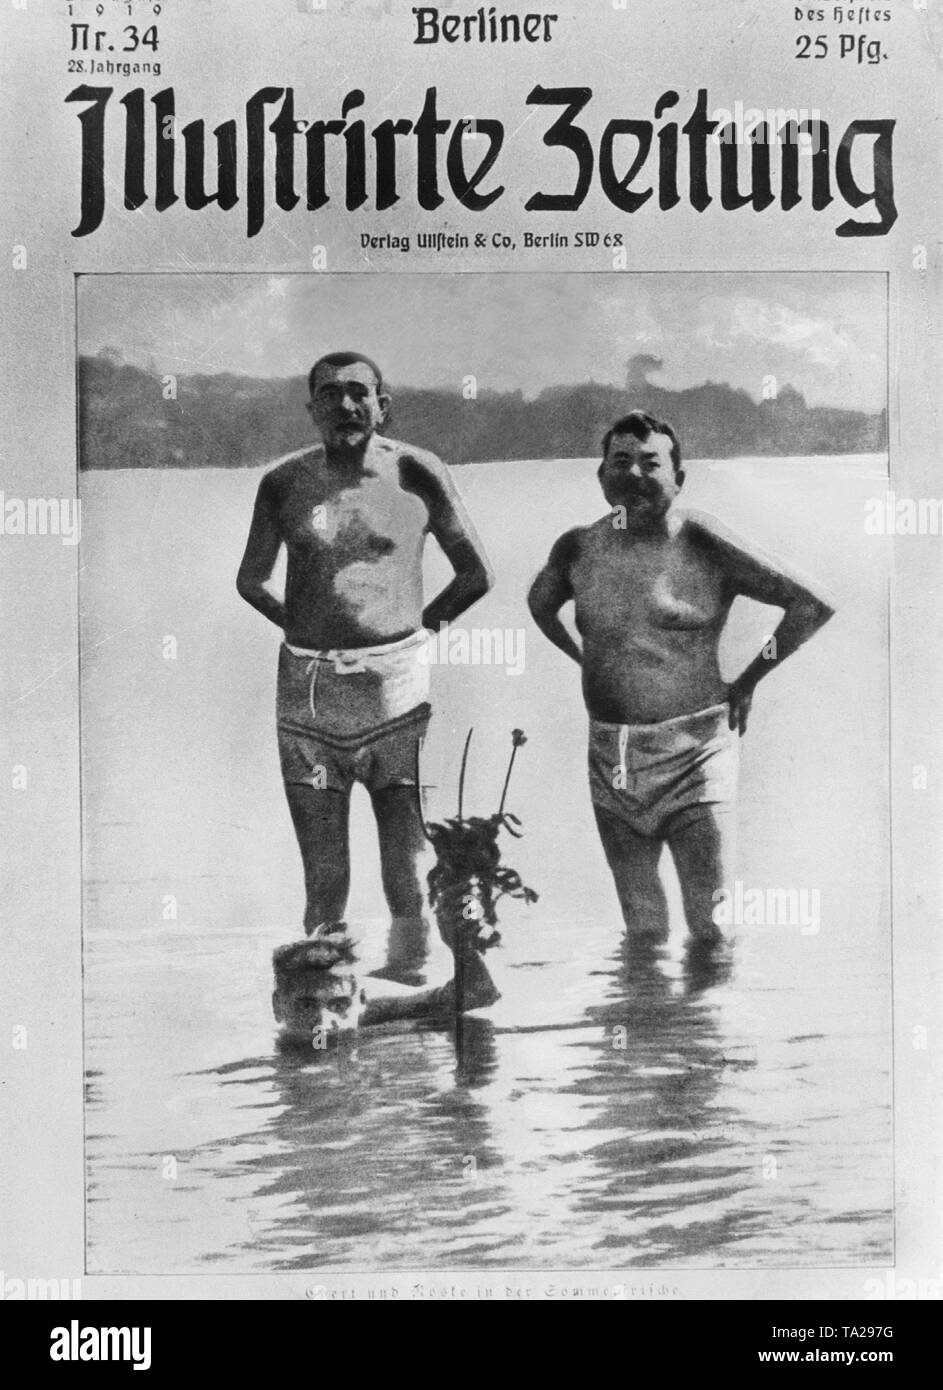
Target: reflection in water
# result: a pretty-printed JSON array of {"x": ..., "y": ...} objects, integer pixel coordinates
[
  {"x": 655, "y": 1071},
  {"x": 353, "y": 1133},
  {"x": 641, "y": 1106}
]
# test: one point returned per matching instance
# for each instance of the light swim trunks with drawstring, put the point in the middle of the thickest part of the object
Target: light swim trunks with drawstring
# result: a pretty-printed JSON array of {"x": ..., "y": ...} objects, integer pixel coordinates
[
  {"x": 658, "y": 778},
  {"x": 353, "y": 715}
]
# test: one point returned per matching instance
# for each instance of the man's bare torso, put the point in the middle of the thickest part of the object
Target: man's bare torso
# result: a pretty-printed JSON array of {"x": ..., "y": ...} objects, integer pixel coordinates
[
  {"x": 354, "y": 541},
  {"x": 650, "y": 611}
]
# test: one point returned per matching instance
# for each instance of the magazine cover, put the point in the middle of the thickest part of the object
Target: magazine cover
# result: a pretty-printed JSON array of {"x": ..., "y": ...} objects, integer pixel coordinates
[{"x": 470, "y": 530}]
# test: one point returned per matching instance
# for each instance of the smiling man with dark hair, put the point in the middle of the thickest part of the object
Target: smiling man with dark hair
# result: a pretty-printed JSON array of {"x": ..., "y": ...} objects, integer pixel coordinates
[
  {"x": 652, "y": 587},
  {"x": 353, "y": 514},
  {"x": 640, "y": 425}
]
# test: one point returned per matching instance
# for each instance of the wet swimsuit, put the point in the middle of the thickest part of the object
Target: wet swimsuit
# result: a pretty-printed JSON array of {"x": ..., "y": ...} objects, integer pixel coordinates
[
  {"x": 353, "y": 715},
  {"x": 658, "y": 778}
]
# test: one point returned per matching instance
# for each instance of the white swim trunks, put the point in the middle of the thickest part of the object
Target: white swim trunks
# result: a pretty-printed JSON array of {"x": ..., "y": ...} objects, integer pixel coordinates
[
  {"x": 353, "y": 715},
  {"x": 657, "y": 778}
]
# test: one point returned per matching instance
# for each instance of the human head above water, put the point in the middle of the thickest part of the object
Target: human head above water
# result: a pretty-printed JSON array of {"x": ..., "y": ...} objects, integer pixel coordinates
[
  {"x": 318, "y": 1005},
  {"x": 317, "y": 987}
]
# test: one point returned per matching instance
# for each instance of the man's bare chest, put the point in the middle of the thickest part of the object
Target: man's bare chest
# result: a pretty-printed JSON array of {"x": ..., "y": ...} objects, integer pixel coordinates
[
  {"x": 362, "y": 520},
  {"x": 626, "y": 584}
]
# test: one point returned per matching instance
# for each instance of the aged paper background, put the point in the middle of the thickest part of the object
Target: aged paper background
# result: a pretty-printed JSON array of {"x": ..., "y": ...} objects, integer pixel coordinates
[{"x": 215, "y": 55}]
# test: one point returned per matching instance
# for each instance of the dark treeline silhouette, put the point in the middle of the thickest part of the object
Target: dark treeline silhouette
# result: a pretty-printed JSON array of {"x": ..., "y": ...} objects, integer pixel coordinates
[{"x": 133, "y": 418}]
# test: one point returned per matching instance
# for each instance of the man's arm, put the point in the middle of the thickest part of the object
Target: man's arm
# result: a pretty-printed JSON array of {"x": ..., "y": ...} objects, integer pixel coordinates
[
  {"x": 551, "y": 590},
  {"x": 755, "y": 575},
  {"x": 260, "y": 555},
  {"x": 453, "y": 529},
  {"x": 396, "y": 1001}
]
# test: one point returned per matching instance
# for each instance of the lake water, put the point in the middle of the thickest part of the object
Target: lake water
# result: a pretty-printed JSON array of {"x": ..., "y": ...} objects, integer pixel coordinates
[{"x": 612, "y": 1111}]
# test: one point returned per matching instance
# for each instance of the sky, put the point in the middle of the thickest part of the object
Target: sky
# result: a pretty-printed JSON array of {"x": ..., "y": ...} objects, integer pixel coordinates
[{"x": 825, "y": 333}]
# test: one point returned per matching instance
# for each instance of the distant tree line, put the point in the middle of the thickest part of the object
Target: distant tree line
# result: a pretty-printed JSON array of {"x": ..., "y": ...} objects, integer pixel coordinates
[{"x": 133, "y": 418}]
